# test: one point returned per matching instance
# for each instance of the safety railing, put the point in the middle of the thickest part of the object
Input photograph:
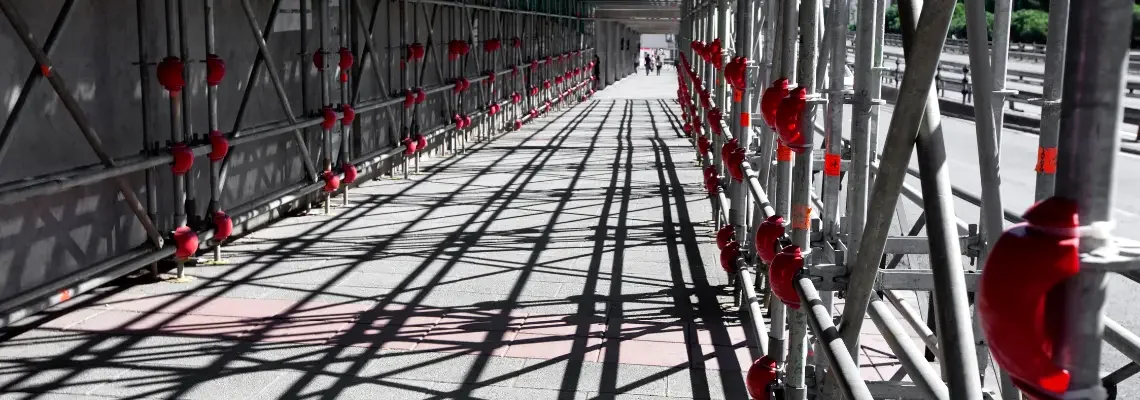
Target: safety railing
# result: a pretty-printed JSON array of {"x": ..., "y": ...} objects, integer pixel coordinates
[{"x": 795, "y": 252}]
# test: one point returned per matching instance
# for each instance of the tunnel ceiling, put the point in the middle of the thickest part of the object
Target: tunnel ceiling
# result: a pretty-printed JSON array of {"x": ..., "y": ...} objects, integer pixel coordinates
[{"x": 644, "y": 16}]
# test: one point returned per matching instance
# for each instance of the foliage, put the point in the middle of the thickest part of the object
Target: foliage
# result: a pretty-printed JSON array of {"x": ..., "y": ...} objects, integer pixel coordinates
[{"x": 1029, "y": 26}]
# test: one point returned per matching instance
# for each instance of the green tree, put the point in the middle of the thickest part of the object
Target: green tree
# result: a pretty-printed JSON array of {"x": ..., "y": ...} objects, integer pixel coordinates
[
  {"x": 1029, "y": 26},
  {"x": 892, "y": 20}
]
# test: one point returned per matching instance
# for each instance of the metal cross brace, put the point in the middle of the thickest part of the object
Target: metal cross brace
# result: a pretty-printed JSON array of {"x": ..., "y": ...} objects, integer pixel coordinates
[{"x": 21, "y": 27}]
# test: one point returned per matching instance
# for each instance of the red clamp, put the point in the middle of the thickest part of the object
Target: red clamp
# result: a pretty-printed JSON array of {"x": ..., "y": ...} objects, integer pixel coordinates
[
  {"x": 457, "y": 49},
  {"x": 223, "y": 226},
  {"x": 516, "y": 98},
  {"x": 558, "y": 80},
  {"x": 409, "y": 146},
  {"x": 219, "y": 146},
  {"x": 728, "y": 147},
  {"x": 1027, "y": 262},
  {"x": 349, "y": 115},
  {"x": 458, "y": 119},
  {"x": 490, "y": 77},
  {"x": 688, "y": 128},
  {"x": 712, "y": 184},
  {"x": 768, "y": 234},
  {"x": 735, "y": 160},
  {"x": 734, "y": 72},
  {"x": 515, "y": 70},
  {"x": 183, "y": 159},
  {"x": 416, "y": 51},
  {"x": 350, "y": 173},
  {"x": 789, "y": 119},
  {"x": 329, "y": 120},
  {"x": 493, "y": 109},
  {"x": 516, "y": 42},
  {"x": 185, "y": 243},
  {"x": 518, "y": 124},
  {"x": 760, "y": 376},
  {"x": 409, "y": 98},
  {"x": 533, "y": 113},
  {"x": 332, "y": 182},
  {"x": 770, "y": 100},
  {"x": 421, "y": 140},
  {"x": 714, "y": 118},
  {"x": 728, "y": 256},
  {"x": 703, "y": 145},
  {"x": 215, "y": 69},
  {"x": 346, "y": 58},
  {"x": 421, "y": 95},
  {"x": 319, "y": 59},
  {"x": 724, "y": 235},
  {"x": 170, "y": 74},
  {"x": 461, "y": 85},
  {"x": 546, "y": 84},
  {"x": 534, "y": 91},
  {"x": 783, "y": 271},
  {"x": 492, "y": 45}
]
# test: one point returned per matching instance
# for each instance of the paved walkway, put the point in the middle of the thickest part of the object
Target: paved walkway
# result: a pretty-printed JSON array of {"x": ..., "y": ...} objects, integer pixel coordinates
[{"x": 569, "y": 260}]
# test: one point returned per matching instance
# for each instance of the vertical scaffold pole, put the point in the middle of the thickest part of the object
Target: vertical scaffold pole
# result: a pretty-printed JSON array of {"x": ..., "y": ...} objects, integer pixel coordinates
[
  {"x": 212, "y": 119},
  {"x": 1089, "y": 144},
  {"x": 801, "y": 191},
  {"x": 742, "y": 126},
  {"x": 858, "y": 178},
  {"x": 1051, "y": 98}
]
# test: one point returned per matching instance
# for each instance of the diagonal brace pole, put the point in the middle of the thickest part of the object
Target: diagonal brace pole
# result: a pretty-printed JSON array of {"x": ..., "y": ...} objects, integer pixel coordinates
[
  {"x": 263, "y": 48},
  {"x": 21, "y": 27},
  {"x": 34, "y": 77}
]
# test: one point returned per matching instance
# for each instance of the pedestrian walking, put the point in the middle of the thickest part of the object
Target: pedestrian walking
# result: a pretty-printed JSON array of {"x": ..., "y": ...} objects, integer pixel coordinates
[
  {"x": 659, "y": 65},
  {"x": 966, "y": 95}
]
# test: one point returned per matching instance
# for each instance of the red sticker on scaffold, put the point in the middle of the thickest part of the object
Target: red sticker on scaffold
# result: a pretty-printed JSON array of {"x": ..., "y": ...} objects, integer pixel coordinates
[
  {"x": 801, "y": 217},
  {"x": 737, "y": 95},
  {"x": 1046, "y": 160},
  {"x": 831, "y": 164},
  {"x": 783, "y": 153},
  {"x": 745, "y": 119}
]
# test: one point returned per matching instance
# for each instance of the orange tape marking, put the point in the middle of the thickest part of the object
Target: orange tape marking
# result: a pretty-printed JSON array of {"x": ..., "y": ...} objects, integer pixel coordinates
[
  {"x": 1046, "y": 160},
  {"x": 736, "y": 96},
  {"x": 801, "y": 217},
  {"x": 64, "y": 295},
  {"x": 783, "y": 153},
  {"x": 745, "y": 119},
  {"x": 831, "y": 164}
]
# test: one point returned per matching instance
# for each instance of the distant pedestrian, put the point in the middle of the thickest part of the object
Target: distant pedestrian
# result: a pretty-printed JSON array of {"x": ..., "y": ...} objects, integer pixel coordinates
[
  {"x": 659, "y": 65},
  {"x": 966, "y": 95},
  {"x": 896, "y": 73},
  {"x": 648, "y": 64},
  {"x": 939, "y": 83}
]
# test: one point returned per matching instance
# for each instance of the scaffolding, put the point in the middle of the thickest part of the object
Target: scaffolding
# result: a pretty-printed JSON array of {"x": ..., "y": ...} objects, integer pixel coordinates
[
  {"x": 382, "y": 84},
  {"x": 792, "y": 254}
]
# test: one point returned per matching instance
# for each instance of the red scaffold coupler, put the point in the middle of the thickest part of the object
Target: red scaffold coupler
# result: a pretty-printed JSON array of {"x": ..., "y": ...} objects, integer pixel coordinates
[
  {"x": 516, "y": 42},
  {"x": 768, "y": 234},
  {"x": 350, "y": 173},
  {"x": 728, "y": 256},
  {"x": 789, "y": 120},
  {"x": 416, "y": 51},
  {"x": 533, "y": 113},
  {"x": 466, "y": 123},
  {"x": 223, "y": 226},
  {"x": 183, "y": 159},
  {"x": 329, "y": 120},
  {"x": 332, "y": 182},
  {"x": 730, "y": 146},
  {"x": 349, "y": 115},
  {"x": 421, "y": 95},
  {"x": 170, "y": 74},
  {"x": 491, "y": 75},
  {"x": 516, "y": 98},
  {"x": 534, "y": 91},
  {"x": 534, "y": 65},
  {"x": 782, "y": 272},
  {"x": 734, "y": 160},
  {"x": 546, "y": 84},
  {"x": 461, "y": 84},
  {"x": 1028, "y": 261},
  {"x": 215, "y": 69},
  {"x": 219, "y": 146},
  {"x": 409, "y": 98},
  {"x": 492, "y": 45},
  {"x": 760, "y": 375},
  {"x": 185, "y": 242},
  {"x": 346, "y": 58},
  {"x": 712, "y": 184},
  {"x": 458, "y": 119},
  {"x": 703, "y": 145},
  {"x": 493, "y": 109},
  {"x": 725, "y": 235},
  {"x": 409, "y": 146},
  {"x": 710, "y": 171},
  {"x": 421, "y": 140},
  {"x": 734, "y": 72},
  {"x": 319, "y": 59},
  {"x": 518, "y": 124},
  {"x": 688, "y": 128},
  {"x": 515, "y": 70},
  {"x": 770, "y": 100}
]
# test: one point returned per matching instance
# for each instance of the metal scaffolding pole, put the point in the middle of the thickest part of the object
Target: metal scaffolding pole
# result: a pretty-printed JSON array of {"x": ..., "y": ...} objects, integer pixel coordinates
[
  {"x": 785, "y": 47},
  {"x": 742, "y": 125},
  {"x": 1087, "y": 151},
  {"x": 956, "y": 328},
  {"x": 991, "y": 211},
  {"x": 904, "y": 127},
  {"x": 1051, "y": 99},
  {"x": 858, "y": 179}
]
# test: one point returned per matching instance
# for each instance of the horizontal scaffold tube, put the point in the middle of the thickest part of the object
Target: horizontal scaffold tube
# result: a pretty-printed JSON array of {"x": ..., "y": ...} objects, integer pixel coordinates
[{"x": 845, "y": 370}]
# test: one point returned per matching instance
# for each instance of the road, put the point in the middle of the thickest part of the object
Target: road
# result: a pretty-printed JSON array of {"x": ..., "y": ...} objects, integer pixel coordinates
[{"x": 1018, "y": 157}]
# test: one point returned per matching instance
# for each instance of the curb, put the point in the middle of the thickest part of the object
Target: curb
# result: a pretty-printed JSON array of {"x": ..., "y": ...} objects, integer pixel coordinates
[{"x": 964, "y": 111}]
